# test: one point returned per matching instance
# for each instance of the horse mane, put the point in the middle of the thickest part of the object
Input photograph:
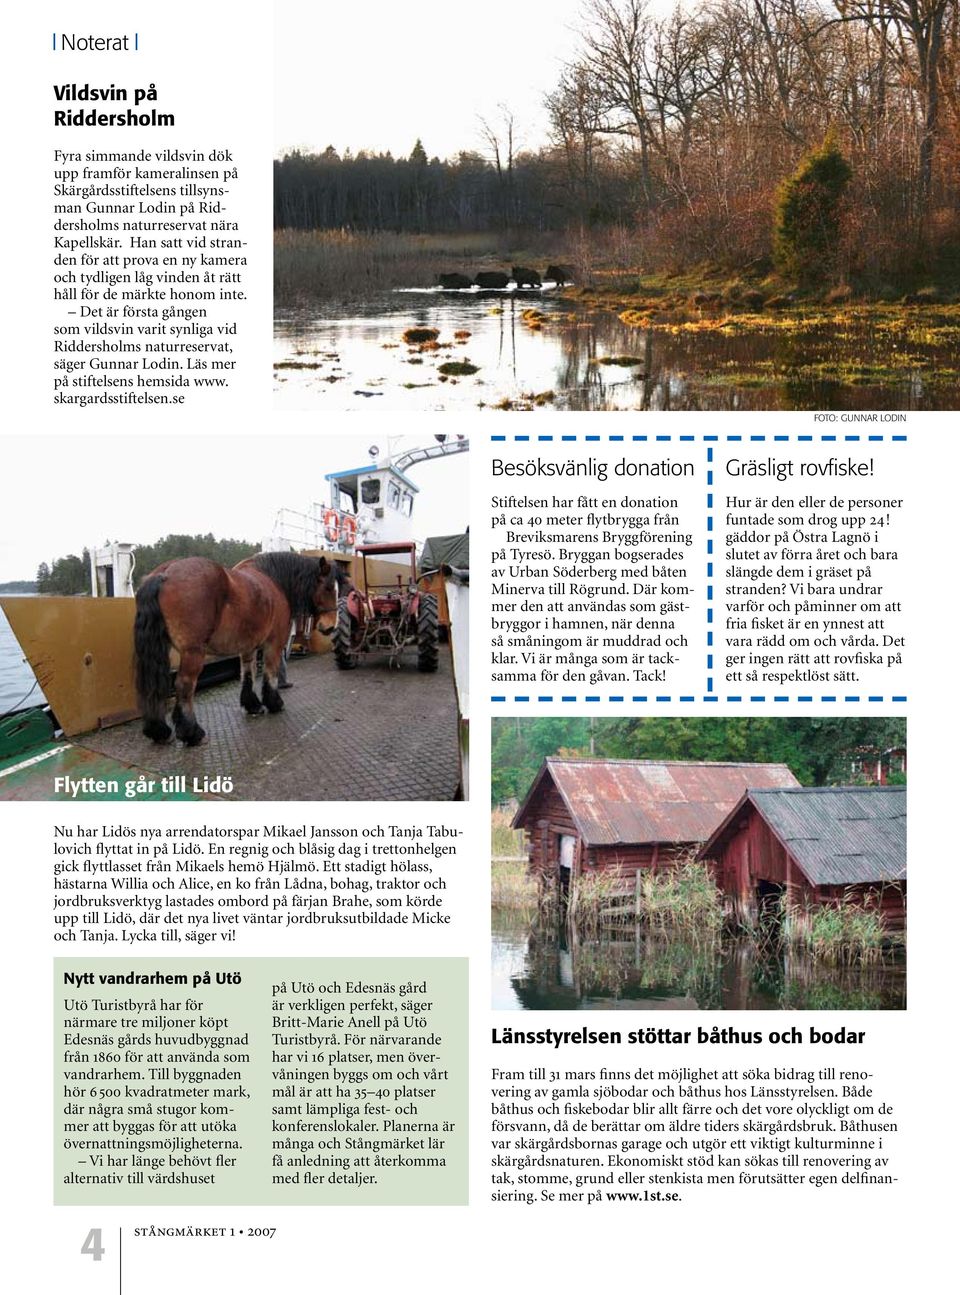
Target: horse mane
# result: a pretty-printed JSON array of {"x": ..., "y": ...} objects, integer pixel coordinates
[{"x": 297, "y": 576}]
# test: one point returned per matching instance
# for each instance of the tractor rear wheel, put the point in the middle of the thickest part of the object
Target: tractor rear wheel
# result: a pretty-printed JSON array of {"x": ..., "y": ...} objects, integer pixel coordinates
[
  {"x": 343, "y": 637},
  {"x": 428, "y": 633}
]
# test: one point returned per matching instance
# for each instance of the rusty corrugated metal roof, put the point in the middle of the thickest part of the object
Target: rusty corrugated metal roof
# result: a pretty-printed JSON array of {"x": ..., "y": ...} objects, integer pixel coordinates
[
  {"x": 840, "y": 836},
  {"x": 639, "y": 802}
]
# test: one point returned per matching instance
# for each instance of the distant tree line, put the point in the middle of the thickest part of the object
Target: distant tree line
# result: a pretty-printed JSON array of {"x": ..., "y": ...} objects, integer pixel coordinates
[
  {"x": 377, "y": 191},
  {"x": 67, "y": 575},
  {"x": 18, "y": 587},
  {"x": 71, "y": 574},
  {"x": 819, "y": 752},
  {"x": 676, "y": 128}
]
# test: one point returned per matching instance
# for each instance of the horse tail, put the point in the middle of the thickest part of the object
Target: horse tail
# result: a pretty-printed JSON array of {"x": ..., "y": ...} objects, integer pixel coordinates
[{"x": 151, "y": 642}]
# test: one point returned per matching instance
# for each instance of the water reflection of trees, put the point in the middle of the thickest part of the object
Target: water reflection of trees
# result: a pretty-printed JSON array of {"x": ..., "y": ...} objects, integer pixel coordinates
[
  {"x": 660, "y": 381},
  {"x": 636, "y": 968},
  {"x": 583, "y": 380},
  {"x": 823, "y": 366}
]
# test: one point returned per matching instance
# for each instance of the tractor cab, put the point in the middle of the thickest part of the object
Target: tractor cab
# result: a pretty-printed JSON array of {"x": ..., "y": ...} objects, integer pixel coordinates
[{"x": 385, "y": 595}]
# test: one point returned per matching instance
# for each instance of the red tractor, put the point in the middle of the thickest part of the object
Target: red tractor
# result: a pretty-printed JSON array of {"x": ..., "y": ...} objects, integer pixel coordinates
[{"x": 388, "y": 617}]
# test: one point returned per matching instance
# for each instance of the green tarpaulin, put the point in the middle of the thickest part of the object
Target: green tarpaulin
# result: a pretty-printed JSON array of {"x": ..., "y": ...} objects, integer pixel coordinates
[{"x": 454, "y": 550}]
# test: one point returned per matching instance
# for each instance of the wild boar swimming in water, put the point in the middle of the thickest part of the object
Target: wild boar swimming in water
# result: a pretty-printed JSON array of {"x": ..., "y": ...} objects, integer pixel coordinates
[
  {"x": 559, "y": 274},
  {"x": 525, "y": 278},
  {"x": 492, "y": 279}
]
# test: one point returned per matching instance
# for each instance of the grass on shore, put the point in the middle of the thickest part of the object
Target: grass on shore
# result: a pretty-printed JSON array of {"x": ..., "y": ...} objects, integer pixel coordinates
[
  {"x": 506, "y": 842},
  {"x": 513, "y": 888},
  {"x": 706, "y": 298},
  {"x": 511, "y": 885}
]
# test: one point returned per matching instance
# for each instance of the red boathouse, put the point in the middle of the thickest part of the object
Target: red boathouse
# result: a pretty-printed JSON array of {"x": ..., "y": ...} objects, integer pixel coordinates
[
  {"x": 816, "y": 845},
  {"x": 589, "y": 815}
]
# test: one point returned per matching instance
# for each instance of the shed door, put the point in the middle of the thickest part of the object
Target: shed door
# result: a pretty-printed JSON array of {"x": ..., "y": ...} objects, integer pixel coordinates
[{"x": 565, "y": 859}]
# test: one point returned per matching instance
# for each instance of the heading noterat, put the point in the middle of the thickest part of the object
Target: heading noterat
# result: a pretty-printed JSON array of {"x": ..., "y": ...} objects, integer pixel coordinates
[{"x": 95, "y": 44}]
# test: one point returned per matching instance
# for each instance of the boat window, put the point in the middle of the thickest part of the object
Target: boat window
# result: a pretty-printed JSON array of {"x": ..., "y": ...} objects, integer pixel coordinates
[
  {"x": 370, "y": 490},
  {"x": 346, "y": 503},
  {"x": 393, "y": 495},
  {"x": 407, "y": 503}
]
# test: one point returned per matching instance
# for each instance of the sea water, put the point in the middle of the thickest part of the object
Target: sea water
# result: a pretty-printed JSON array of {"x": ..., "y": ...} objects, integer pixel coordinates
[{"x": 18, "y": 684}]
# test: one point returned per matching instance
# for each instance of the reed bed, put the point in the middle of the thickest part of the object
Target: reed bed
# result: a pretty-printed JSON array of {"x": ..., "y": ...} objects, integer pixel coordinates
[
  {"x": 683, "y": 898},
  {"x": 596, "y": 899},
  {"x": 840, "y": 934}
]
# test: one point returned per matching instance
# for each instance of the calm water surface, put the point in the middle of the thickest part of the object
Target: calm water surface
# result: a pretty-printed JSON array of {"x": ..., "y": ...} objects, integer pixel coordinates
[
  {"x": 352, "y": 357},
  {"x": 16, "y": 677},
  {"x": 543, "y": 970}
]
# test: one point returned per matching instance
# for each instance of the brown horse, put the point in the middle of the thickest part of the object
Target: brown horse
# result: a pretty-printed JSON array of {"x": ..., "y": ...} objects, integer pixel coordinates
[{"x": 198, "y": 606}]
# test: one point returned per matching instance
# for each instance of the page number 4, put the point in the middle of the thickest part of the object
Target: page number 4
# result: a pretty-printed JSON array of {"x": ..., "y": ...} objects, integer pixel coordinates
[{"x": 93, "y": 1245}]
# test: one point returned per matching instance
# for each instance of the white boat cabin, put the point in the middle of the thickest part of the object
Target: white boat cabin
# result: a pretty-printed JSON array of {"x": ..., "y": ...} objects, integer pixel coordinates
[{"x": 375, "y": 503}]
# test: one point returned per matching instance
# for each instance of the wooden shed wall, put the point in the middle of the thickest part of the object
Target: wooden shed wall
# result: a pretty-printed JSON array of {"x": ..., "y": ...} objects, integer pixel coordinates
[
  {"x": 548, "y": 819},
  {"x": 631, "y": 859},
  {"x": 753, "y": 854}
]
